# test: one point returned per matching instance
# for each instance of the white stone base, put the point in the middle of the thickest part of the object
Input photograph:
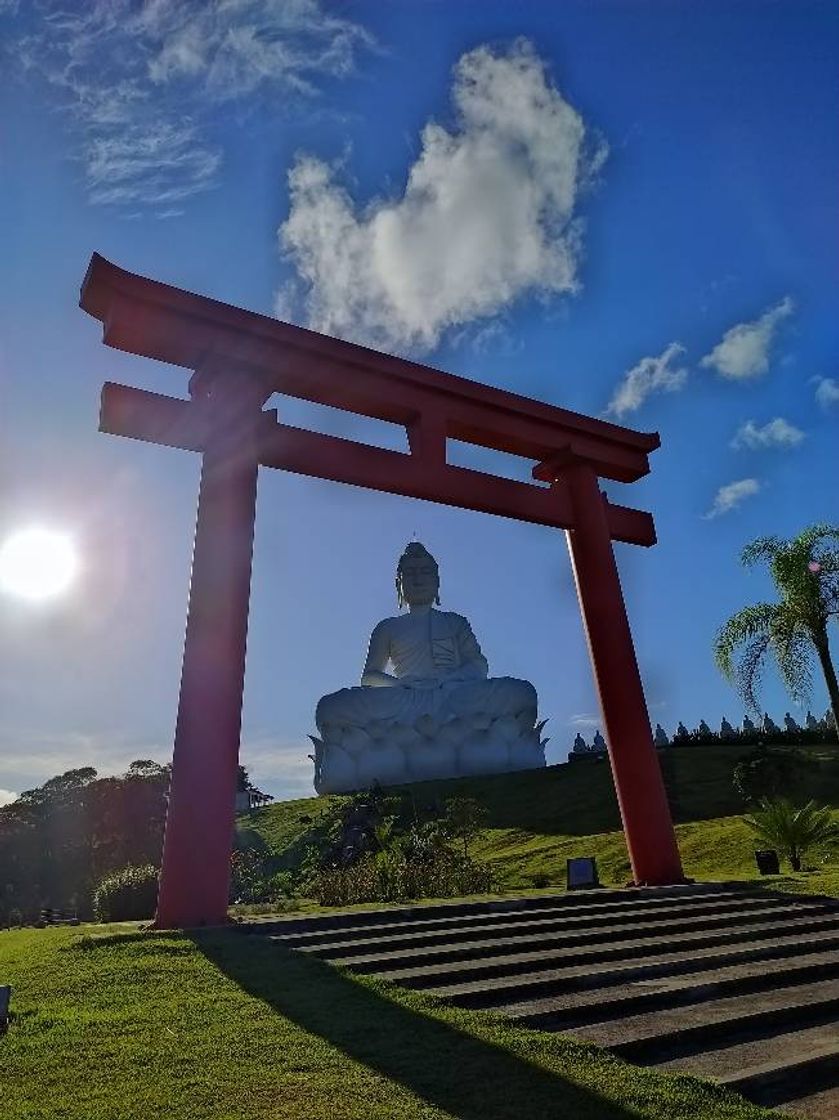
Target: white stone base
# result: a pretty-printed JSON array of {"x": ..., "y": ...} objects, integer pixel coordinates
[{"x": 341, "y": 767}]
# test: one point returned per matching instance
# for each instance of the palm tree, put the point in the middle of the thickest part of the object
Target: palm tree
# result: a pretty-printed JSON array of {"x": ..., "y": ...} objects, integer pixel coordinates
[
  {"x": 805, "y": 571},
  {"x": 793, "y": 831}
]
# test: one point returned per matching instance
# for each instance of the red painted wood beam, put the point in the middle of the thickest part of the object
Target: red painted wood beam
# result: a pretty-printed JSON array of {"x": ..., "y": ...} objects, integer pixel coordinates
[
  {"x": 423, "y": 474},
  {"x": 159, "y": 321}
]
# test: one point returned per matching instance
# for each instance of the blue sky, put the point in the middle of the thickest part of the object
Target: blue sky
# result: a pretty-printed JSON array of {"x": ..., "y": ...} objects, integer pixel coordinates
[{"x": 624, "y": 209}]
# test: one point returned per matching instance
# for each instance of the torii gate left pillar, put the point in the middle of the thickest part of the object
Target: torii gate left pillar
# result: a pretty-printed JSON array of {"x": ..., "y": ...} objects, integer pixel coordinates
[
  {"x": 240, "y": 360},
  {"x": 200, "y": 816}
]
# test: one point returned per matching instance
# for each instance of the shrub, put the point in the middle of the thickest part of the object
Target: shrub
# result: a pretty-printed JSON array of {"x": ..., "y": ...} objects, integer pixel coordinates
[
  {"x": 791, "y": 830},
  {"x": 127, "y": 895},
  {"x": 768, "y": 772},
  {"x": 391, "y": 877}
]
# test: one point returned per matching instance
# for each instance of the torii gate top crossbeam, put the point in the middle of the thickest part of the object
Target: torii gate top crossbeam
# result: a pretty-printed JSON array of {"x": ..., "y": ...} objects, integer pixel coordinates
[{"x": 215, "y": 339}]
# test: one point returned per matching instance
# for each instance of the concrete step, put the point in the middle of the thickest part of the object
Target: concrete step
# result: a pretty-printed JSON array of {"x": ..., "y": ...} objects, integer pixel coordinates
[
  {"x": 347, "y": 944},
  {"x": 560, "y": 908},
  {"x": 617, "y": 1001},
  {"x": 759, "y": 1060},
  {"x": 801, "y": 1066},
  {"x": 394, "y": 915},
  {"x": 662, "y": 1034},
  {"x": 735, "y": 984},
  {"x": 468, "y": 973},
  {"x": 586, "y": 974},
  {"x": 375, "y": 958}
]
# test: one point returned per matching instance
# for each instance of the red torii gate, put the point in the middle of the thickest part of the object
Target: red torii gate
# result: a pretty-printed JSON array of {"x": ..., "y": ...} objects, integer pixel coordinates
[{"x": 239, "y": 359}]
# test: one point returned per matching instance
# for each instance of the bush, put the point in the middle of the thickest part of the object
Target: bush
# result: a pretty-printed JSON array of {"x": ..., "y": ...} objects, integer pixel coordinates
[
  {"x": 793, "y": 831},
  {"x": 770, "y": 772},
  {"x": 127, "y": 895},
  {"x": 391, "y": 877}
]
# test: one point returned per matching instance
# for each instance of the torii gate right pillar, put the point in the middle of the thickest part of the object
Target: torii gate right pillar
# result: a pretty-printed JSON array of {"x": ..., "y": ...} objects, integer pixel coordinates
[{"x": 642, "y": 798}]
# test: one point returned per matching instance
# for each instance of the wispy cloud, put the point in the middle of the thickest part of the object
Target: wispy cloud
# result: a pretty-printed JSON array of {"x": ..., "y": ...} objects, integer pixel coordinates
[
  {"x": 585, "y": 719},
  {"x": 29, "y": 758},
  {"x": 651, "y": 375},
  {"x": 7, "y": 797},
  {"x": 495, "y": 197},
  {"x": 827, "y": 391},
  {"x": 729, "y": 497},
  {"x": 147, "y": 85},
  {"x": 743, "y": 353},
  {"x": 777, "y": 433}
]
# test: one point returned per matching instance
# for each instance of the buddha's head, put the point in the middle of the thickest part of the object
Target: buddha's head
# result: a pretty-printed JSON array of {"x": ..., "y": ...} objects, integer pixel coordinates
[{"x": 417, "y": 577}]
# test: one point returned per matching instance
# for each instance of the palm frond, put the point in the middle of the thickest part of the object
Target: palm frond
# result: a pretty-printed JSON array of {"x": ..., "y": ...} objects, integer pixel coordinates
[
  {"x": 793, "y": 648},
  {"x": 764, "y": 548},
  {"x": 748, "y": 623}
]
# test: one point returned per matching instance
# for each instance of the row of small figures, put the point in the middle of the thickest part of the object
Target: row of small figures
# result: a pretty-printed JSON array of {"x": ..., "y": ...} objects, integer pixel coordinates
[{"x": 767, "y": 725}]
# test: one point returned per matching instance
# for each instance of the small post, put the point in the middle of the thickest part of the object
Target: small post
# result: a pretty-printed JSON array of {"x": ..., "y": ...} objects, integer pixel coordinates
[
  {"x": 195, "y": 872},
  {"x": 642, "y": 798}
]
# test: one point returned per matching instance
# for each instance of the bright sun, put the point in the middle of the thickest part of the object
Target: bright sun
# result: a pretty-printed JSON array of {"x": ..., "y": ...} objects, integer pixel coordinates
[{"x": 37, "y": 563}]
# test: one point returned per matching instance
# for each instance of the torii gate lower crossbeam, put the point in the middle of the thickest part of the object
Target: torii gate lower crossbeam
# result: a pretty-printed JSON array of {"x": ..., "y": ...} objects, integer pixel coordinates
[{"x": 239, "y": 360}]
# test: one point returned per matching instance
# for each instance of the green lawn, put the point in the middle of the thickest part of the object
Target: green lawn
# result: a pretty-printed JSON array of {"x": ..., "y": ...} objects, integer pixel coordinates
[{"x": 112, "y": 1024}]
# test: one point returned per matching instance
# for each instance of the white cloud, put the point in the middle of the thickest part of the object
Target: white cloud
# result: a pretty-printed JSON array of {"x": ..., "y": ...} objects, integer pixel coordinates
[
  {"x": 650, "y": 375},
  {"x": 729, "y": 497},
  {"x": 28, "y": 758},
  {"x": 585, "y": 720},
  {"x": 146, "y": 84},
  {"x": 7, "y": 797},
  {"x": 744, "y": 351},
  {"x": 827, "y": 391},
  {"x": 777, "y": 433},
  {"x": 487, "y": 214},
  {"x": 279, "y": 767}
]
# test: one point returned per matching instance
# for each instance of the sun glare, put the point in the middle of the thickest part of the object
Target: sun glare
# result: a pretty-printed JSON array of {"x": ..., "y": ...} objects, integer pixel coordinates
[{"x": 37, "y": 564}]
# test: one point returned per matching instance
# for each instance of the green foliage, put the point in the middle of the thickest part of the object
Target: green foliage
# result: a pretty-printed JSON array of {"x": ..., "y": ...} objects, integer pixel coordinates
[
  {"x": 464, "y": 818},
  {"x": 59, "y": 840},
  {"x": 392, "y": 877},
  {"x": 793, "y": 628},
  {"x": 793, "y": 831},
  {"x": 127, "y": 895},
  {"x": 764, "y": 772}
]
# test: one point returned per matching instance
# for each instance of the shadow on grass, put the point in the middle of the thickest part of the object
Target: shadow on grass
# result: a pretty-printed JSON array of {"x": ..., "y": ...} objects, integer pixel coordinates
[{"x": 465, "y": 1076}]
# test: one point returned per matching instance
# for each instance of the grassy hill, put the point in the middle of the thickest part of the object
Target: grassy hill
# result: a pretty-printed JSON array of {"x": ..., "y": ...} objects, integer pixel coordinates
[{"x": 537, "y": 819}]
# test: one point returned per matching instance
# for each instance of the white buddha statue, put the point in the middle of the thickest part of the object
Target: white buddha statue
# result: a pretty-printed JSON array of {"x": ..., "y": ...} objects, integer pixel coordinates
[{"x": 436, "y": 713}]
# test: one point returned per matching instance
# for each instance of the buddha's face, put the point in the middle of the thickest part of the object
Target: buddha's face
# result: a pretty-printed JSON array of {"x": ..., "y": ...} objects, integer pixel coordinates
[{"x": 420, "y": 581}]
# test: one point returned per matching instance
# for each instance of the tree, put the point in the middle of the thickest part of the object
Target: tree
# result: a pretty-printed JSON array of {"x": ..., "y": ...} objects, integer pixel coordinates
[
  {"x": 765, "y": 772},
  {"x": 463, "y": 820},
  {"x": 793, "y": 831},
  {"x": 805, "y": 571}
]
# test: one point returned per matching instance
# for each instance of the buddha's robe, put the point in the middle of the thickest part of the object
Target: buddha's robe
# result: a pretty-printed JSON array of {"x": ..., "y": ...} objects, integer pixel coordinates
[{"x": 439, "y": 672}]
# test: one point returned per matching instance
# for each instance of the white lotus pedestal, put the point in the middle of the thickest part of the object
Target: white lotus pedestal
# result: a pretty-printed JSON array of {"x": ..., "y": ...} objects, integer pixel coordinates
[{"x": 395, "y": 754}]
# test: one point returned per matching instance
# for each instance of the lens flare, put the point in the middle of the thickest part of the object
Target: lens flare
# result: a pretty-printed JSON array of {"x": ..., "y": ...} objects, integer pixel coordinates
[{"x": 37, "y": 564}]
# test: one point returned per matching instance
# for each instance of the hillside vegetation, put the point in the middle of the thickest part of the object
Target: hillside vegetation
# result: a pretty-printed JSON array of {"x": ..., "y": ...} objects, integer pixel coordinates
[{"x": 537, "y": 819}]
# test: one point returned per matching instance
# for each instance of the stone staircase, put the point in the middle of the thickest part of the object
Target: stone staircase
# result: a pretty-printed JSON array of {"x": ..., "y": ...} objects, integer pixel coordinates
[{"x": 720, "y": 980}]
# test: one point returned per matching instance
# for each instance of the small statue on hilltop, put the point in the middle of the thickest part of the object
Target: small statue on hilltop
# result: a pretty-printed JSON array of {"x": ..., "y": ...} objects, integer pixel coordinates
[
  {"x": 703, "y": 729},
  {"x": 769, "y": 725},
  {"x": 811, "y": 722},
  {"x": 598, "y": 744},
  {"x": 660, "y": 738},
  {"x": 726, "y": 730},
  {"x": 790, "y": 724},
  {"x": 681, "y": 732},
  {"x": 580, "y": 746},
  {"x": 748, "y": 726}
]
